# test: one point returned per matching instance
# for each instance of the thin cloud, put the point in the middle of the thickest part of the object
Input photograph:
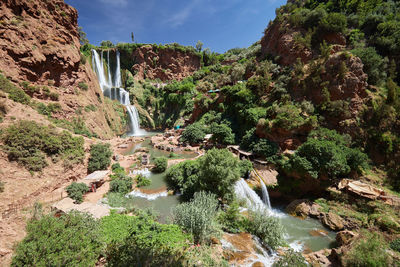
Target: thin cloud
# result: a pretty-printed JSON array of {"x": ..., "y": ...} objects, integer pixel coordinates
[
  {"x": 115, "y": 2},
  {"x": 180, "y": 17}
]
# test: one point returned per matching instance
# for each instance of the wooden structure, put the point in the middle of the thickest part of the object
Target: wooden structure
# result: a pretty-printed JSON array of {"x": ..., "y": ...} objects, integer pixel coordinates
[{"x": 241, "y": 153}]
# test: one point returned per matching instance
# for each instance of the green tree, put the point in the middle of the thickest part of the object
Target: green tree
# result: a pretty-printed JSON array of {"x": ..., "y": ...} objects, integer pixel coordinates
[
  {"x": 199, "y": 46},
  {"x": 76, "y": 191},
  {"x": 193, "y": 134},
  {"x": 222, "y": 134},
  {"x": 82, "y": 36},
  {"x": 160, "y": 164},
  {"x": 70, "y": 240},
  {"x": 100, "y": 157},
  {"x": 373, "y": 64},
  {"x": 106, "y": 44}
]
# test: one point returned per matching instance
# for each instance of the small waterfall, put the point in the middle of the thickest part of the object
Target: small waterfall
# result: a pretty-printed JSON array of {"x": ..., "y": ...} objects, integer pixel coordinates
[
  {"x": 112, "y": 89},
  {"x": 265, "y": 195},
  {"x": 243, "y": 191}
]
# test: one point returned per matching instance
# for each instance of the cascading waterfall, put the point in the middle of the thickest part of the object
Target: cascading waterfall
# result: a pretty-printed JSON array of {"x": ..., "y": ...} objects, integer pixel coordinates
[
  {"x": 265, "y": 195},
  {"x": 243, "y": 191},
  {"x": 114, "y": 90}
]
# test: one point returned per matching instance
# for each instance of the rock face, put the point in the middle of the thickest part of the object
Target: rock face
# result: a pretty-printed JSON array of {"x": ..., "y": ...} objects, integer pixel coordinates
[
  {"x": 39, "y": 45},
  {"x": 164, "y": 64},
  {"x": 345, "y": 237},
  {"x": 279, "y": 40}
]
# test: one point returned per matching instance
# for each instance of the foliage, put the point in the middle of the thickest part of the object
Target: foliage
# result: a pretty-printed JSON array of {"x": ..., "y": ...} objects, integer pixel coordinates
[
  {"x": 368, "y": 251},
  {"x": 291, "y": 258},
  {"x": 122, "y": 186},
  {"x": 100, "y": 155},
  {"x": 28, "y": 143},
  {"x": 205, "y": 256},
  {"x": 140, "y": 241},
  {"x": 83, "y": 86},
  {"x": 160, "y": 164},
  {"x": 259, "y": 146},
  {"x": 267, "y": 228},
  {"x": 373, "y": 64},
  {"x": 76, "y": 191},
  {"x": 216, "y": 172},
  {"x": 70, "y": 240},
  {"x": 326, "y": 153},
  {"x": 222, "y": 134},
  {"x": 142, "y": 180},
  {"x": 106, "y": 44},
  {"x": 232, "y": 220},
  {"x": 14, "y": 93},
  {"x": 198, "y": 217},
  {"x": 193, "y": 134},
  {"x": 245, "y": 167},
  {"x": 395, "y": 245}
]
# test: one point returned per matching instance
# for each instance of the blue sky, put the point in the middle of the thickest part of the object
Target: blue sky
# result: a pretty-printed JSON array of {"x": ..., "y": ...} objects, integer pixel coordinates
[{"x": 219, "y": 24}]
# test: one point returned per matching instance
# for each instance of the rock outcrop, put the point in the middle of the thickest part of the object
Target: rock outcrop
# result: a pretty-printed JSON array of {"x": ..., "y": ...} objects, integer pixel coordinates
[
  {"x": 164, "y": 64},
  {"x": 40, "y": 46}
]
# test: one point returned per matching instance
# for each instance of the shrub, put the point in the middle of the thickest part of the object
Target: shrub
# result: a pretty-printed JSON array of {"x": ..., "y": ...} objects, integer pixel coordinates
[
  {"x": 198, "y": 217},
  {"x": 369, "y": 251},
  {"x": 291, "y": 258},
  {"x": 395, "y": 245},
  {"x": 28, "y": 142},
  {"x": 14, "y": 93},
  {"x": 70, "y": 240},
  {"x": 100, "y": 157},
  {"x": 122, "y": 186},
  {"x": 373, "y": 64},
  {"x": 54, "y": 96},
  {"x": 245, "y": 167},
  {"x": 142, "y": 180},
  {"x": 76, "y": 191},
  {"x": 116, "y": 167},
  {"x": 160, "y": 164},
  {"x": 222, "y": 134},
  {"x": 267, "y": 228},
  {"x": 184, "y": 177},
  {"x": 83, "y": 86},
  {"x": 193, "y": 134},
  {"x": 140, "y": 241},
  {"x": 232, "y": 220}
]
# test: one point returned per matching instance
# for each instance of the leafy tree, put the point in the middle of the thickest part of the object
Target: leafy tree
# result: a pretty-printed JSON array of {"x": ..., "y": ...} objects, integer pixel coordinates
[
  {"x": 222, "y": 134},
  {"x": 193, "y": 134},
  {"x": 122, "y": 186},
  {"x": 100, "y": 157},
  {"x": 82, "y": 36},
  {"x": 219, "y": 171},
  {"x": 373, "y": 64},
  {"x": 198, "y": 217},
  {"x": 106, "y": 44},
  {"x": 199, "y": 46},
  {"x": 70, "y": 240},
  {"x": 184, "y": 177},
  {"x": 160, "y": 164},
  {"x": 142, "y": 180},
  {"x": 76, "y": 191},
  {"x": 245, "y": 167}
]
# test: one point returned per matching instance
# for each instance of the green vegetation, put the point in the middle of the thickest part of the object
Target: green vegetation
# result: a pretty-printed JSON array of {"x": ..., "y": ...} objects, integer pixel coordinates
[
  {"x": 395, "y": 245},
  {"x": 369, "y": 251},
  {"x": 83, "y": 86},
  {"x": 326, "y": 153},
  {"x": 100, "y": 157},
  {"x": 70, "y": 240},
  {"x": 14, "y": 93},
  {"x": 215, "y": 172},
  {"x": 198, "y": 217},
  {"x": 29, "y": 143},
  {"x": 291, "y": 258},
  {"x": 142, "y": 180},
  {"x": 193, "y": 134},
  {"x": 160, "y": 164},
  {"x": 76, "y": 191},
  {"x": 120, "y": 183}
]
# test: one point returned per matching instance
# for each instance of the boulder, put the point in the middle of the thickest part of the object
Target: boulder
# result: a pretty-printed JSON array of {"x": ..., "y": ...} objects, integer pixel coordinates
[
  {"x": 345, "y": 237},
  {"x": 303, "y": 208},
  {"x": 332, "y": 221},
  {"x": 321, "y": 258}
]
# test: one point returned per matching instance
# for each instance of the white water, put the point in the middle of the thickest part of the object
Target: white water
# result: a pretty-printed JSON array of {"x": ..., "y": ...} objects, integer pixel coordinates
[
  {"x": 265, "y": 195},
  {"x": 113, "y": 90},
  {"x": 137, "y": 193},
  {"x": 243, "y": 191}
]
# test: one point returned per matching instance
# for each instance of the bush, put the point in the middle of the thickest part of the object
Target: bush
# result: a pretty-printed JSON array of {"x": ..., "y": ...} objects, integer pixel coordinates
[
  {"x": 232, "y": 220},
  {"x": 193, "y": 134},
  {"x": 14, "y": 93},
  {"x": 76, "y": 191},
  {"x": 142, "y": 180},
  {"x": 160, "y": 164},
  {"x": 245, "y": 167},
  {"x": 100, "y": 157},
  {"x": 395, "y": 245},
  {"x": 222, "y": 134},
  {"x": 28, "y": 142},
  {"x": 267, "y": 228},
  {"x": 140, "y": 241},
  {"x": 116, "y": 168},
  {"x": 291, "y": 258},
  {"x": 215, "y": 172},
  {"x": 70, "y": 240},
  {"x": 374, "y": 64},
  {"x": 83, "y": 86},
  {"x": 122, "y": 186},
  {"x": 369, "y": 251},
  {"x": 198, "y": 217}
]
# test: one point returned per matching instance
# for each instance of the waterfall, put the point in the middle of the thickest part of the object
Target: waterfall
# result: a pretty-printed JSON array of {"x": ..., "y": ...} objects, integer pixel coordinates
[
  {"x": 113, "y": 89},
  {"x": 243, "y": 191},
  {"x": 265, "y": 195}
]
